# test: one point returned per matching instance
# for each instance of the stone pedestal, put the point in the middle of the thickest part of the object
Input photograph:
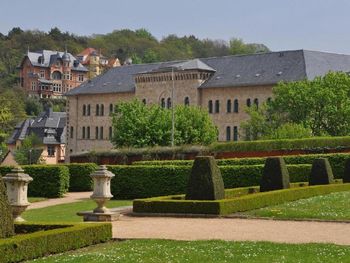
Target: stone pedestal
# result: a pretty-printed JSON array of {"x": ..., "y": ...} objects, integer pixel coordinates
[
  {"x": 102, "y": 193},
  {"x": 17, "y": 187}
]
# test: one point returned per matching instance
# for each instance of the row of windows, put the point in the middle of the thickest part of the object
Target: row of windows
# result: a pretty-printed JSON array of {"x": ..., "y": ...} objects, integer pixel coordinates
[
  {"x": 215, "y": 108},
  {"x": 168, "y": 102},
  {"x": 235, "y": 133},
  {"x": 184, "y": 76},
  {"x": 100, "y": 109},
  {"x": 86, "y": 134}
]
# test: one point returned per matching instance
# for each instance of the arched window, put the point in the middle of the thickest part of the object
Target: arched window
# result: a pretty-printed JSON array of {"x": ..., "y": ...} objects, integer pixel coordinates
[
  {"x": 249, "y": 103},
  {"x": 162, "y": 103},
  {"x": 217, "y": 106},
  {"x": 235, "y": 106},
  {"x": 210, "y": 106},
  {"x": 96, "y": 133},
  {"x": 256, "y": 102},
  {"x": 88, "y": 110},
  {"x": 101, "y": 133},
  {"x": 83, "y": 133},
  {"x": 84, "y": 110},
  {"x": 144, "y": 101},
  {"x": 110, "y": 109},
  {"x": 187, "y": 101},
  {"x": 228, "y": 106},
  {"x": 110, "y": 132},
  {"x": 235, "y": 133},
  {"x": 168, "y": 103},
  {"x": 228, "y": 133},
  {"x": 97, "y": 109},
  {"x": 102, "y": 110},
  {"x": 56, "y": 75},
  {"x": 88, "y": 132}
]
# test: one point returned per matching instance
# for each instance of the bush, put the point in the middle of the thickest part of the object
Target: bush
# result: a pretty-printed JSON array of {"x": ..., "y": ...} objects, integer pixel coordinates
[
  {"x": 137, "y": 181},
  {"x": 56, "y": 239},
  {"x": 346, "y": 176},
  {"x": 79, "y": 176},
  {"x": 48, "y": 180},
  {"x": 321, "y": 172},
  {"x": 5, "y": 170},
  {"x": 175, "y": 204},
  {"x": 6, "y": 219},
  {"x": 275, "y": 175},
  {"x": 205, "y": 182}
]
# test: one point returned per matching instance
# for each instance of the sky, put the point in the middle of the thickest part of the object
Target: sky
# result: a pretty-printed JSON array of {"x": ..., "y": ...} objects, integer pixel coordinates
[{"x": 279, "y": 24}]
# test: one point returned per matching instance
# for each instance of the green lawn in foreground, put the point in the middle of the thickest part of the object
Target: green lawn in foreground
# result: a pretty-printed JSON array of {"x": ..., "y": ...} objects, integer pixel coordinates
[
  {"x": 66, "y": 212},
  {"x": 164, "y": 251},
  {"x": 335, "y": 206}
]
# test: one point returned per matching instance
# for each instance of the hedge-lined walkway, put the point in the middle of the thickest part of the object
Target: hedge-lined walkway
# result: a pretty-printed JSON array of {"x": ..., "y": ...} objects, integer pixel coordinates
[
  {"x": 68, "y": 198},
  {"x": 231, "y": 229}
]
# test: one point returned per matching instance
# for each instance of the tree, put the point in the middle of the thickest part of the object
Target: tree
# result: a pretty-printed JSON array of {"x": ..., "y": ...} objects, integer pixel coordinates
[
  {"x": 29, "y": 152},
  {"x": 33, "y": 106},
  {"x": 138, "y": 125}
]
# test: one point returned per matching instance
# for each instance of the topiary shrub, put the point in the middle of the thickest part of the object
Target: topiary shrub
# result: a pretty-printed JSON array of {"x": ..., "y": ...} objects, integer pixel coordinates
[
  {"x": 205, "y": 182},
  {"x": 346, "y": 175},
  {"x": 321, "y": 172},
  {"x": 275, "y": 175},
  {"x": 6, "y": 219}
]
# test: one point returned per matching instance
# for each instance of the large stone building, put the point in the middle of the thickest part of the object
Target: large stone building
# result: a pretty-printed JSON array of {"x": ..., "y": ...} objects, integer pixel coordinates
[
  {"x": 49, "y": 74},
  {"x": 222, "y": 85}
]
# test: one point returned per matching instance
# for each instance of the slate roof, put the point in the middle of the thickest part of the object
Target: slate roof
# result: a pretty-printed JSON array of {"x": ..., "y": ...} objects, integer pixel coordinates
[
  {"x": 50, "y": 57},
  {"x": 229, "y": 71},
  {"x": 48, "y": 126}
]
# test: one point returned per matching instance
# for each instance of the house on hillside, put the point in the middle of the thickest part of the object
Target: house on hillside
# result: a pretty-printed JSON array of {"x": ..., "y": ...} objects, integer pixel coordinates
[
  {"x": 49, "y": 74},
  {"x": 50, "y": 128},
  {"x": 223, "y": 86}
]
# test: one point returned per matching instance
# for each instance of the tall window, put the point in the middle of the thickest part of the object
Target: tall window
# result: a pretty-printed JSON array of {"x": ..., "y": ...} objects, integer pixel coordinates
[
  {"x": 110, "y": 132},
  {"x": 228, "y": 133},
  {"x": 210, "y": 106},
  {"x": 101, "y": 133},
  {"x": 51, "y": 150},
  {"x": 235, "y": 106},
  {"x": 217, "y": 106},
  {"x": 162, "y": 103},
  {"x": 88, "y": 132},
  {"x": 80, "y": 78},
  {"x": 249, "y": 103},
  {"x": 168, "y": 103},
  {"x": 228, "y": 106},
  {"x": 84, "y": 110},
  {"x": 88, "y": 110},
  {"x": 235, "y": 133},
  {"x": 96, "y": 133},
  {"x": 187, "y": 101},
  {"x": 83, "y": 132},
  {"x": 256, "y": 102},
  {"x": 97, "y": 109},
  {"x": 110, "y": 109},
  {"x": 71, "y": 132},
  {"x": 102, "y": 110}
]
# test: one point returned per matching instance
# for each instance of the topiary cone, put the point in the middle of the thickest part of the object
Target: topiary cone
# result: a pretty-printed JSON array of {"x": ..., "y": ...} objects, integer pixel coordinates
[
  {"x": 6, "y": 219},
  {"x": 275, "y": 175},
  {"x": 321, "y": 172},
  {"x": 346, "y": 175},
  {"x": 205, "y": 182}
]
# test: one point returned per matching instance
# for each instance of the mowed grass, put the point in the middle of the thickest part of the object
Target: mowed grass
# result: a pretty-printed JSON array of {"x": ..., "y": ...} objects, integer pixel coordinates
[
  {"x": 66, "y": 212},
  {"x": 203, "y": 251},
  {"x": 334, "y": 206}
]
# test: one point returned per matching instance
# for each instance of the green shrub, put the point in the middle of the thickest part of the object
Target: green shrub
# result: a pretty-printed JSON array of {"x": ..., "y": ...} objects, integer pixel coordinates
[
  {"x": 346, "y": 176},
  {"x": 48, "y": 180},
  {"x": 55, "y": 239},
  {"x": 176, "y": 204},
  {"x": 138, "y": 181},
  {"x": 205, "y": 182},
  {"x": 79, "y": 176},
  {"x": 5, "y": 170},
  {"x": 6, "y": 219},
  {"x": 275, "y": 175},
  {"x": 321, "y": 172}
]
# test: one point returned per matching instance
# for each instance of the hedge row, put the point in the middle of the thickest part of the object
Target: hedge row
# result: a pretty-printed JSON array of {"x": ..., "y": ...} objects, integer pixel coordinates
[
  {"x": 174, "y": 204},
  {"x": 138, "y": 181},
  {"x": 79, "y": 179},
  {"x": 337, "y": 161},
  {"x": 63, "y": 238}
]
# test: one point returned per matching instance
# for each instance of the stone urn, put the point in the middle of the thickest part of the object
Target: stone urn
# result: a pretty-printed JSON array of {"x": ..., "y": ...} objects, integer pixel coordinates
[
  {"x": 102, "y": 188},
  {"x": 17, "y": 188}
]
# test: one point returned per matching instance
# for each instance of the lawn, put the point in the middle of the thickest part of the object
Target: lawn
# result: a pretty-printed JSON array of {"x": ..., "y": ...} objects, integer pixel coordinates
[
  {"x": 36, "y": 199},
  {"x": 66, "y": 212},
  {"x": 203, "y": 251},
  {"x": 334, "y": 206}
]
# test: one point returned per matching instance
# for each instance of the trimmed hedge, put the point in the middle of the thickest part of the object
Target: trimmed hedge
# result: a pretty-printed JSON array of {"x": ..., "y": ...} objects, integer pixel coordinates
[
  {"x": 174, "y": 204},
  {"x": 6, "y": 219},
  {"x": 79, "y": 176},
  {"x": 137, "y": 181},
  {"x": 60, "y": 239},
  {"x": 321, "y": 172},
  {"x": 275, "y": 175},
  {"x": 336, "y": 160}
]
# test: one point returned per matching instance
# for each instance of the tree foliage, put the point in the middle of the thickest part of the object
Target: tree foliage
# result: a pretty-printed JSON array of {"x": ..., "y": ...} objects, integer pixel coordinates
[
  {"x": 310, "y": 107},
  {"x": 139, "y": 125},
  {"x": 29, "y": 152}
]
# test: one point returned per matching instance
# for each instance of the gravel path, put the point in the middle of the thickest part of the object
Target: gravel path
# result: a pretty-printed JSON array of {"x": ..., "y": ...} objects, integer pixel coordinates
[
  {"x": 68, "y": 198},
  {"x": 231, "y": 229}
]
